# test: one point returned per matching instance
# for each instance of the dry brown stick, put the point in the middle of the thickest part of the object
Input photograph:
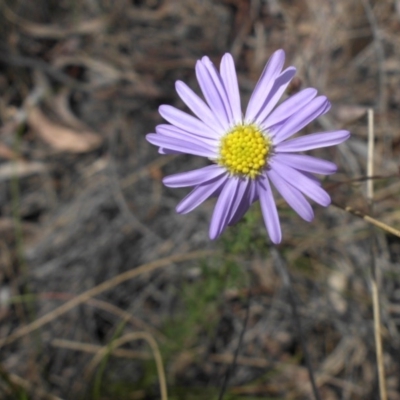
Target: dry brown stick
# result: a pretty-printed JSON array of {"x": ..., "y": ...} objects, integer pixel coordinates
[
  {"x": 108, "y": 307},
  {"x": 374, "y": 269},
  {"x": 368, "y": 219},
  {"x": 85, "y": 296},
  {"x": 93, "y": 348},
  {"x": 333, "y": 185}
]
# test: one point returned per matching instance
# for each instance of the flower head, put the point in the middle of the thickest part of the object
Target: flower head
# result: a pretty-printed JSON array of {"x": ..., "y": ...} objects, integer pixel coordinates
[{"x": 250, "y": 151}]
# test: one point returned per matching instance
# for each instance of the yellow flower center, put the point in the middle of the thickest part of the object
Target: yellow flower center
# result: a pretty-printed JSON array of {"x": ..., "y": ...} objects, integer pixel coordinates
[{"x": 244, "y": 150}]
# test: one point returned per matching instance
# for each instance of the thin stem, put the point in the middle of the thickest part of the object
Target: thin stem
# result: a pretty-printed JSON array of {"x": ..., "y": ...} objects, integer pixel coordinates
[
  {"x": 378, "y": 339},
  {"x": 232, "y": 367},
  {"x": 285, "y": 276}
]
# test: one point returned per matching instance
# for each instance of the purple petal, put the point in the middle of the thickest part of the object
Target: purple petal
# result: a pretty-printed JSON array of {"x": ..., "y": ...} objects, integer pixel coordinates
[
  {"x": 200, "y": 194},
  {"x": 185, "y": 121},
  {"x": 307, "y": 163},
  {"x": 292, "y": 196},
  {"x": 194, "y": 178},
  {"x": 298, "y": 121},
  {"x": 249, "y": 197},
  {"x": 177, "y": 133},
  {"x": 161, "y": 150},
  {"x": 312, "y": 177},
  {"x": 289, "y": 107},
  {"x": 313, "y": 141},
  {"x": 301, "y": 182},
  {"x": 224, "y": 207},
  {"x": 264, "y": 84},
  {"x": 195, "y": 148},
  {"x": 229, "y": 78},
  {"x": 241, "y": 203},
  {"x": 198, "y": 106},
  {"x": 253, "y": 192},
  {"x": 217, "y": 79},
  {"x": 279, "y": 87},
  {"x": 212, "y": 95},
  {"x": 269, "y": 211}
]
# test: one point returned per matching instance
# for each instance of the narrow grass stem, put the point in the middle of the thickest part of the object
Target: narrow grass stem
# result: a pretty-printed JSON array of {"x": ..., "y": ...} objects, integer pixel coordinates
[
  {"x": 378, "y": 339},
  {"x": 281, "y": 266},
  {"x": 235, "y": 356}
]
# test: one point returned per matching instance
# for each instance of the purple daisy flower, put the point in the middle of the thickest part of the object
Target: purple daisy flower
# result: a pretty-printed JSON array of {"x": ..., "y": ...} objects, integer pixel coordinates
[{"x": 250, "y": 151}]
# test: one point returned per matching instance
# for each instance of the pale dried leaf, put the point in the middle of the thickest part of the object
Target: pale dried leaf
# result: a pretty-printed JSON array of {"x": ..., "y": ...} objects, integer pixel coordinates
[
  {"x": 20, "y": 169},
  {"x": 349, "y": 113},
  {"x": 105, "y": 73},
  {"x": 6, "y": 153},
  {"x": 55, "y": 31},
  {"x": 61, "y": 138},
  {"x": 60, "y": 105},
  {"x": 337, "y": 281}
]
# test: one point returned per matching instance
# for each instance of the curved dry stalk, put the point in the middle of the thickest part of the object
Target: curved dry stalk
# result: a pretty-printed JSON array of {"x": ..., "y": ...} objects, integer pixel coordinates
[
  {"x": 126, "y": 339},
  {"x": 107, "y": 285}
]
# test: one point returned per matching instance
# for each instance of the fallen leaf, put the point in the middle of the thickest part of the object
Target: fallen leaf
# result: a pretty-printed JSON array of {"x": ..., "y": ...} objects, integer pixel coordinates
[
  {"x": 20, "y": 169},
  {"x": 60, "y": 105},
  {"x": 349, "y": 113},
  {"x": 62, "y": 138},
  {"x": 7, "y": 153}
]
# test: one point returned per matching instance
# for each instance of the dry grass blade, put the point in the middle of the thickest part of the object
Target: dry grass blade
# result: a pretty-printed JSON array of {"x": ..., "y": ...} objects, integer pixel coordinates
[
  {"x": 92, "y": 348},
  {"x": 369, "y": 219},
  {"x": 374, "y": 273},
  {"x": 107, "y": 285},
  {"x": 55, "y": 32}
]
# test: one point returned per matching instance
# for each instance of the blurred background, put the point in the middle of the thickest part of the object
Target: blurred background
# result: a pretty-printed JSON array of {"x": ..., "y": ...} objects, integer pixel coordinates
[{"x": 82, "y": 202}]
